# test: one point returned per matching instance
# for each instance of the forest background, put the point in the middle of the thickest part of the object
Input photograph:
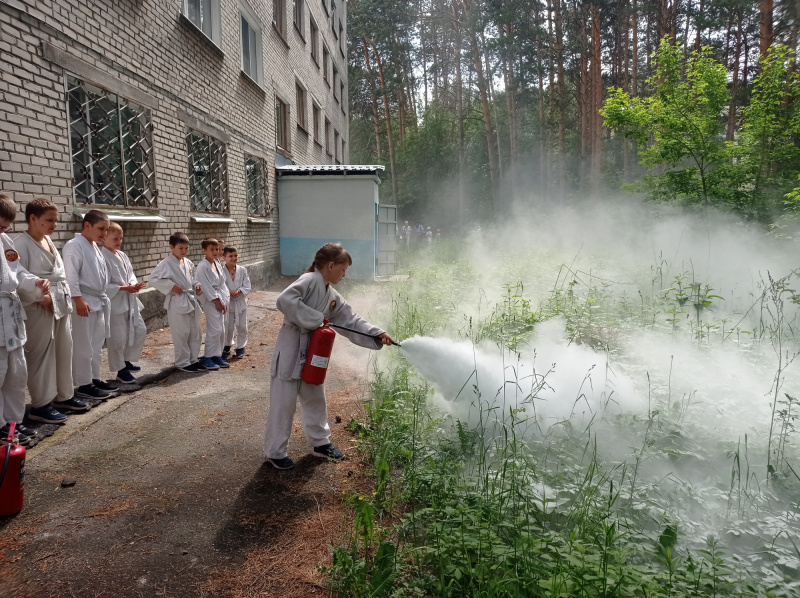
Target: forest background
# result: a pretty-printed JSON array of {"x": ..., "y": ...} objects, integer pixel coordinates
[{"x": 468, "y": 102}]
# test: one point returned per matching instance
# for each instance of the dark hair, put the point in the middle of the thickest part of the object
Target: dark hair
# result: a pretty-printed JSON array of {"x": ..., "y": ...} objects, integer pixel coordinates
[
  {"x": 94, "y": 216},
  {"x": 229, "y": 249},
  {"x": 178, "y": 238},
  {"x": 38, "y": 207},
  {"x": 8, "y": 208},
  {"x": 330, "y": 252},
  {"x": 208, "y": 242}
]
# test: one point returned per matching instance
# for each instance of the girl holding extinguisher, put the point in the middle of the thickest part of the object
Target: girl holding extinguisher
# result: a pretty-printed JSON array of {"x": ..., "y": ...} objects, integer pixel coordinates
[{"x": 306, "y": 304}]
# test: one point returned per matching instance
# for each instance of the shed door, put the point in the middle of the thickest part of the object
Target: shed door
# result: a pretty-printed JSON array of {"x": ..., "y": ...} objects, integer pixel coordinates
[{"x": 387, "y": 240}]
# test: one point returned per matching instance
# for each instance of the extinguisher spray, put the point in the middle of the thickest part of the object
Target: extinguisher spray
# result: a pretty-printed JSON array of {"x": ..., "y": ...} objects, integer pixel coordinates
[{"x": 12, "y": 475}]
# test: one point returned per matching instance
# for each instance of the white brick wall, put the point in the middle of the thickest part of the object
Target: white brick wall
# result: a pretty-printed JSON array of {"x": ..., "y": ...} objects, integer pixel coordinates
[{"x": 145, "y": 46}]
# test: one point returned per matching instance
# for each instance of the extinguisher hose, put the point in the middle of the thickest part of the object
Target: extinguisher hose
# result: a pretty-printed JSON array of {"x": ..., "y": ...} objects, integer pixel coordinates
[
  {"x": 359, "y": 332},
  {"x": 5, "y": 464}
]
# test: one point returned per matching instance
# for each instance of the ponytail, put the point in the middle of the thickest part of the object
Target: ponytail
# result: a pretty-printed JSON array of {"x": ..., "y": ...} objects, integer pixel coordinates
[{"x": 330, "y": 252}]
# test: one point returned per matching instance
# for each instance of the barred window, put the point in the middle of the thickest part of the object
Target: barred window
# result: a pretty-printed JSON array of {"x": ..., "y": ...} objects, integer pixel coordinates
[
  {"x": 111, "y": 142},
  {"x": 255, "y": 171},
  {"x": 208, "y": 173}
]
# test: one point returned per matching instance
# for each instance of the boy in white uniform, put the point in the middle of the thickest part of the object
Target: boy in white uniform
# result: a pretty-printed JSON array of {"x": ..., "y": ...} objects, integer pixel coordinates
[
  {"x": 128, "y": 331},
  {"x": 48, "y": 349},
  {"x": 236, "y": 319},
  {"x": 87, "y": 276},
  {"x": 174, "y": 277},
  {"x": 214, "y": 300},
  {"x": 13, "y": 373}
]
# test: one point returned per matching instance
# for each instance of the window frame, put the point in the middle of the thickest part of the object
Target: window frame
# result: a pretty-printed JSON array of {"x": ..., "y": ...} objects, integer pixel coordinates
[
  {"x": 223, "y": 181},
  {"x": 333, "y": 18},
  {"x": 282, "y": 124},
  {"x": 341, "y": 95},
  {"x": 336, "y": 146},
  {"x": 314, "y": 39},
  {"x": 279, "y": 18},
  {"x": 341, "y": 38},
  {"x": 254, "y": 25},
  {"x": 214, "y": 35},
  {"x": 301, "y": 101},
  {"x": 298, "y": 16},
  {"x": 266, "y": 208},
  {"x": 335, "y": 84},
  {"x": 326, "y": 60},
  {"x": 316, "y": 115},
  {"x": 325, "y": 7},
  {"x": 328, "y": 137}
]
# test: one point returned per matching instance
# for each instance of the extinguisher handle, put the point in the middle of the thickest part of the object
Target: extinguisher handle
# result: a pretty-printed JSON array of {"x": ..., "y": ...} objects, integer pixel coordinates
[{"x": 326, "y": 322}]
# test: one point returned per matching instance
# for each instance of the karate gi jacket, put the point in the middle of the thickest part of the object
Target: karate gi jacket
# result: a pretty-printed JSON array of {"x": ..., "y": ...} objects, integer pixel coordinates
[
  {"x": 42, "y": 263},
  {"x": 240, "y": 281},
  {"x": 171, "y": 272},
  {"x": 305, "y": 304},
  {"x": 87, "y": 276},
  {"x": 12, "y": 314},
  {"x": 212, "y": 282},
  {"x": 120, "y": 273}
]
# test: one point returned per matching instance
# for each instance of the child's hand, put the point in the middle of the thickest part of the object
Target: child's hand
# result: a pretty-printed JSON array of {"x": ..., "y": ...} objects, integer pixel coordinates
[
  {"x": 44, "y": 285},
  {"x": 81, "y": 307},
  {"x": 138, "y": 286},
  {"x": 177, "y": 289},
  {"x": 199, "y": 289},
  {"x": 386, "y": 339},
  {"x": 47, "y": 302},
  {"x": 236, "y": 293},
  {"x": 219, "y": 305}
]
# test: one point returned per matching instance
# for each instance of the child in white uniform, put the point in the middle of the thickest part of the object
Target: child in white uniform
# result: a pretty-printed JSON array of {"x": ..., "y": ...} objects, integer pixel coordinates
[
  {"x": 174, "y": 277},
  {"x": 87, "y": 276},
  {"x": 236, "y": 319},
  {"x": 13, "y": 372},
  {"x": 128, "y": 331},
  {"x": 214, "y": 301},
  {"x": 48, "y": 350},
  {"x": 306, "y": 304}
]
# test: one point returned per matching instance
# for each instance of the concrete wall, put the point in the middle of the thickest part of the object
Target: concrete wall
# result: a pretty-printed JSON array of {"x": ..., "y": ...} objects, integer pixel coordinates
[
  {"x": 146, "y": 51},
  {"x": 319, "y": 209}
]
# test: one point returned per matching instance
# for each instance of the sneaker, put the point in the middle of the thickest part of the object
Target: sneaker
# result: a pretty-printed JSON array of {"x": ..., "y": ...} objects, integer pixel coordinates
[
  {"x": 220, "y": 362},
  {"x": 239, "y": 353},
  {"x": 209, "y": 363},
  {"x": 191, "y": 368},
  {"x": 131, "y": 368},
  {"x": 23, "y": 429},
  {"x": 328, "y": 451},
  {"x": 73, "y": 404},
  {"x": 200, "y": 365},
  {"x": 107, "y": 386},
  {"x": 23, "y": 439},
  {"x": 47, "y": 414},
  {"x": 90, "y": 391},
  {"x": 284, "y": 463},
  {"x": 226, "y": 352},
  {"x": 125, "y": 377}
]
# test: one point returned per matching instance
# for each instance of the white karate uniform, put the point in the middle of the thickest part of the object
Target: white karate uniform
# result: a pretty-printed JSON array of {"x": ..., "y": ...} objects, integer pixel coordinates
[
  {"x": 87, "y": 276},
  {"x": 183, "y": 311},
  {"x": 212, "y": 279},
  {"x": 236, "y": 318},
  {"x": 128, "y": 331},
  {"x": 13, "y": 373},
  {"x": 305, "y": 304},
  {"x": 48, "y": 350}
]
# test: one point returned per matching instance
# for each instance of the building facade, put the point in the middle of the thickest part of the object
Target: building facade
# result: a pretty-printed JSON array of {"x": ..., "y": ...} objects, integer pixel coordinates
[{"x": 170, "y": 114}]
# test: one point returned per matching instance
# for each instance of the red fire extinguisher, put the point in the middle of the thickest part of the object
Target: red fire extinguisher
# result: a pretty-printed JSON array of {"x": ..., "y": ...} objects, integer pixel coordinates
[
  {"x": 319, "y": 354},
  {"x": 12, "y": 475}
]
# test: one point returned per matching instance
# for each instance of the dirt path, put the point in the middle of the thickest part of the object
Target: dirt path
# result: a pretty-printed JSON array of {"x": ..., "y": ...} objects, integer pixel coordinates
[{"x": 173, "y": 497}]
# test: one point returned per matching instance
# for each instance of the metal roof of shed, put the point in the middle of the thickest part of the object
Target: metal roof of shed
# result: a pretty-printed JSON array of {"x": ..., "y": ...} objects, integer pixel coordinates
[{"x": 309, "y": 169}]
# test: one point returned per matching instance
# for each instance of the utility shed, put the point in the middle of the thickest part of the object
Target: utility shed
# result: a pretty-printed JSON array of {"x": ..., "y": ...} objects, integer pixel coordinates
[{"x": 334, "y": 204}]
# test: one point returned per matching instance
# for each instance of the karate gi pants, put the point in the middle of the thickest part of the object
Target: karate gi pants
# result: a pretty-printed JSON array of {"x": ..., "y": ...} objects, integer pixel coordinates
[
  {"x": 215, "y": 330},
  {"x": 48, "y": 354},
  {"x": 186, "y": 336},
  {"x": 88, "y": 336},
  {"x": 237, "y": 325},
  {"x": 121, "y": 348},
  {"x": 13, "y": 378},
  {"x": 283, "y": 395}
]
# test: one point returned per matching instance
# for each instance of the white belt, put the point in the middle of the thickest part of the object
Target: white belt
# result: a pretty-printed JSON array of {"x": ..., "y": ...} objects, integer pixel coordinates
[
  {"x": 13, "y": 339},
  {"x": 106, "y": 305}
]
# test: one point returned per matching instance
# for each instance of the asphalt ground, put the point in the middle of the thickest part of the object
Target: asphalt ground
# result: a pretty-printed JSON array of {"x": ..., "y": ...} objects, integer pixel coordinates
[{"x": 172, "y": 496}]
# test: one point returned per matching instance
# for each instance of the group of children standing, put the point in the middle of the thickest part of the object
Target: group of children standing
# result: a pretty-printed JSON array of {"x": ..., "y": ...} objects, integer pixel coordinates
[{"x": 56, "y": 313}]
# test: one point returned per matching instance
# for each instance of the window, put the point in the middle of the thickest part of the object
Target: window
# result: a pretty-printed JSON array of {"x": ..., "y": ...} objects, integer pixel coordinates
[
  {"x": 279, "y": 16},
  {"x": 111, "y": 142},
  {"x": 325, "y": 6},
  {"x": 336, "y": 145},
  {"x": 298, "y": 17},
  {"x": 317, "y": 115},
  {"x": 251, "y": 48},
  {"x": 281, "y": 124},
  {"x": 255, "y": 175},
  {"x": 208, "y": 173},
  {"x": 341, "y": 38},
  {"x": 333, "y": 17},
  {"x": 326, "y": 58},
  {"x": 335, "y": 84},
  {"x": 327, "y": 136},
  {"x": 344, "y": 155},
  {"x": 341, "y": 92},
  {"x": 314, "y": 42},
  {"x": 205, "y": 15},
  {"x": 301, "y": 106}
]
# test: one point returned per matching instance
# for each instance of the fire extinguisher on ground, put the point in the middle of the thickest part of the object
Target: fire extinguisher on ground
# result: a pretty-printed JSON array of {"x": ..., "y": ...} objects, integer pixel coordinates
[
  {"x": 319, "y": 354},
  {"x": 12, "y": 475}
]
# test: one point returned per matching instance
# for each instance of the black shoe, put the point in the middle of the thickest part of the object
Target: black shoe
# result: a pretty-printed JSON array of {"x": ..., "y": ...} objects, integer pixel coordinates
[
  {"x": 226, "y": 353},
  {"x": 107, "y": 386},
  {"x": 23, "y": 429},
  {"x": 131, "y": 368},
  {"x": 329, "y": 452},
  {"x": 191, "y": 368},
  {"x": 73, "y": 404},
  {"x": 23, "y": 439},
  {"x": 125, "y": 377},
  {"x": 201, "y": 367},
  {"x": 90, "y": 391},
  {"x": 47, "y": 414},
  {"x": 285, "y": 463},
  {"x": 239, "y": 353}
]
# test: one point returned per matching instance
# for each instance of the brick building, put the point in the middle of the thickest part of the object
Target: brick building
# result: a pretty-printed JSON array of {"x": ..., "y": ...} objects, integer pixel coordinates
[{"x": 170, "y": 114}]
